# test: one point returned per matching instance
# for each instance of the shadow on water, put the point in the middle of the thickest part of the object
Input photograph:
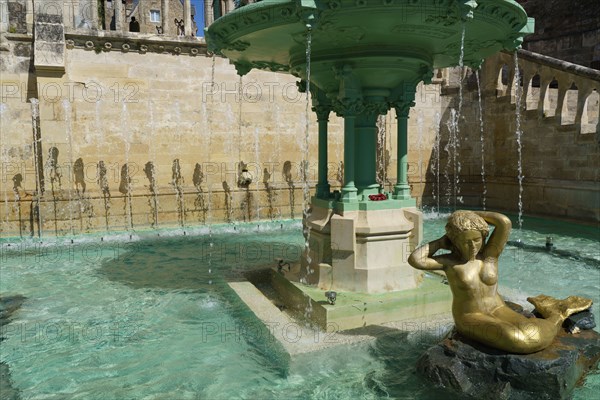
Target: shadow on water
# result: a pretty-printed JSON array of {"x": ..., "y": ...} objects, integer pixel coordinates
[
  {"x": 196, "y": 263},
  {"x": 168, "y": 264},
  {"x": 191, "y": 265}
]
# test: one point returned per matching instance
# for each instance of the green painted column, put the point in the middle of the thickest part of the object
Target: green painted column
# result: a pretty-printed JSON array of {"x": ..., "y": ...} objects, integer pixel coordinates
[
  {"x": 366, "y": 154},
  {"x": 323, "y": 187},
  {"x": 402, "y": 188},
  {"x": 349, "y": 104},
  {"x": 349, "y": 190},
  {"x": 217, "y": 13}
]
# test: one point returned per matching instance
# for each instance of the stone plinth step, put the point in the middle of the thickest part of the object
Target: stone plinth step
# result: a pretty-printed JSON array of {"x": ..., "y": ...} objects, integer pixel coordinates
[
  {"x": 297, "y": 335},
  {"x": 355, "y": 310}
]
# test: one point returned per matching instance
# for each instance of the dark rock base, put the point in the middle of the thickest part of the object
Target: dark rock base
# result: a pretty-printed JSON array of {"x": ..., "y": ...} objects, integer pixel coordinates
[
  {"x": 8, "y": 306},
  {"x": 477, "y": 371},
  {"x": 7, "y": 391}
]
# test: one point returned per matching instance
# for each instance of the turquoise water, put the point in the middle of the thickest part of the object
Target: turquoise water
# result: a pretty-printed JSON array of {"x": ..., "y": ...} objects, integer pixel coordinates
[{"x": 153, "y": 318}]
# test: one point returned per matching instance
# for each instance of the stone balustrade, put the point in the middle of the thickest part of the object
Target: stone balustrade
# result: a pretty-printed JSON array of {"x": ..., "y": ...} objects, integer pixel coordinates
[
  {"x": 552, "y": 89},
  {"x": 558, "y": 145}
]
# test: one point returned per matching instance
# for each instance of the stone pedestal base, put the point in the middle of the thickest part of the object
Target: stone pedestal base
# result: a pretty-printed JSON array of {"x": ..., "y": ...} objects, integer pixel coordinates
[
  {"x": 479, "y": 372},
  {"x": 363, "y": 250}
]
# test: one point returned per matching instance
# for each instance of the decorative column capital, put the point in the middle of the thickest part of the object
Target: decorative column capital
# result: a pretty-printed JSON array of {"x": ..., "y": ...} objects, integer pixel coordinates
[
  {"x": 321, "y": 104},
  {"x": 322, "y": 111},
  {"x": 377, "y": 107},
  {"x": 348, "y": 107},
  {"x": 403, "y": 108},
  {"x": 466, "y": 9}
]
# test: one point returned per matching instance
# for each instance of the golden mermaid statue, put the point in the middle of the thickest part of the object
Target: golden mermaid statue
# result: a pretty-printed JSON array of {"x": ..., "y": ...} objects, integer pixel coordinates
[{"x": 471, "y": 268}]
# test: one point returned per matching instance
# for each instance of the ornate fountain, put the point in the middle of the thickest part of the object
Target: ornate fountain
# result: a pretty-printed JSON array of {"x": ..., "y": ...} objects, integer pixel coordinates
[{"x": 366, "y": 57}]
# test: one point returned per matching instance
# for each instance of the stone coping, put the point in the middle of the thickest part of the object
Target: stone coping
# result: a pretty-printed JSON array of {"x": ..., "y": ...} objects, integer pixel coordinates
[
  {"x": 18, "y": 37},
  {"x": 555, "y": 63},
  {"x": 134, "y": 42},
  {"x": 99, "y": 40}
]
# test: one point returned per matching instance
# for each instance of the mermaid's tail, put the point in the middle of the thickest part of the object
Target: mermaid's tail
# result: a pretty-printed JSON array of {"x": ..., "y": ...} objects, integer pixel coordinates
[{"x": 550, "y": 307}]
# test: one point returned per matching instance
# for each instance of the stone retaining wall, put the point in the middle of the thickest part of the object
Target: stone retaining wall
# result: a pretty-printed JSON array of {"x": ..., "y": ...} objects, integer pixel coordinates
[
  {"x": 153, "y": 110},
  {"x": 137, "y": 131}
]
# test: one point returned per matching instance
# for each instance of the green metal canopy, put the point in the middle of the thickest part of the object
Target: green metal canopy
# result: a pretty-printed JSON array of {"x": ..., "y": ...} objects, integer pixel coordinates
[
  {"x": 386, "y": 42},
  {"x": 367, "y": 56}
]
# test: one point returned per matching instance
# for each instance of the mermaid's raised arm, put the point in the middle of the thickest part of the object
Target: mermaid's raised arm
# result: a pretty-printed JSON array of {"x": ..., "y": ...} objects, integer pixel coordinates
[
  {"x": 422, "y": 257},
  {"x": 495, "y": 245}
]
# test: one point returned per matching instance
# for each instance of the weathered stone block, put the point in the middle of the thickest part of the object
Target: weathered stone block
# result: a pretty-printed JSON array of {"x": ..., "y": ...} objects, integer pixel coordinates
[{"x": 49, "y": 43}]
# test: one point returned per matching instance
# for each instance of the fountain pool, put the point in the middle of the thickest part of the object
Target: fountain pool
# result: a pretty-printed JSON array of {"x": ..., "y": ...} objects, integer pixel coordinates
[{"x": 145, "y": 318}]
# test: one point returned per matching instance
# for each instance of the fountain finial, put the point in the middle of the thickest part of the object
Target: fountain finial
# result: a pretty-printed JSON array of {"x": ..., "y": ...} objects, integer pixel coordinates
[
  {"x": 306, "y": 11},
  {"x": 467, "y": 9}
]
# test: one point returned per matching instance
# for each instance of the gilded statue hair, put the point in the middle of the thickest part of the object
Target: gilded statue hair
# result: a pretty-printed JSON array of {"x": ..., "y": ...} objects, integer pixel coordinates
[{"x": 461, "y": 221}]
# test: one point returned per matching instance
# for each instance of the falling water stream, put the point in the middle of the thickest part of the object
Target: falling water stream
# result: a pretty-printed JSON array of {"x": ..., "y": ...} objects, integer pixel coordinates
[
  {"x": 101, "y": 168},
  {"x": 258, "y": 172},
  {"x": 176, "y": 177},
  {"x": 69, "y": 125},
  {"x": 381, "y": 161},
  {"x": 450, "y": 149},
  {"x": 240, "y": 146},
  {"x": 208, "y": 183},
  {"x": 210, "y": 236},
  {"x": 35, "y": 116},
  {"x": 305, "y": 169},
  {"x": 481, "y": 139},
  {"x": 435, "y": 169},
  {"x": 153, "y": 185},
  {"x": 420, "y": 149},
  {"x": 212, "y": 72},
  {"x": 275, "y": 212},
  {"x": 456, "y": 146},
  {"x": 212, "y": 99},
  {"x": 125, "y": 173},
  {"x": 20, "y": 182},
  {"x": 461, "y": 66},
  {"x": 518, "y": 95},
  {"x": 4, "y": 160}
]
